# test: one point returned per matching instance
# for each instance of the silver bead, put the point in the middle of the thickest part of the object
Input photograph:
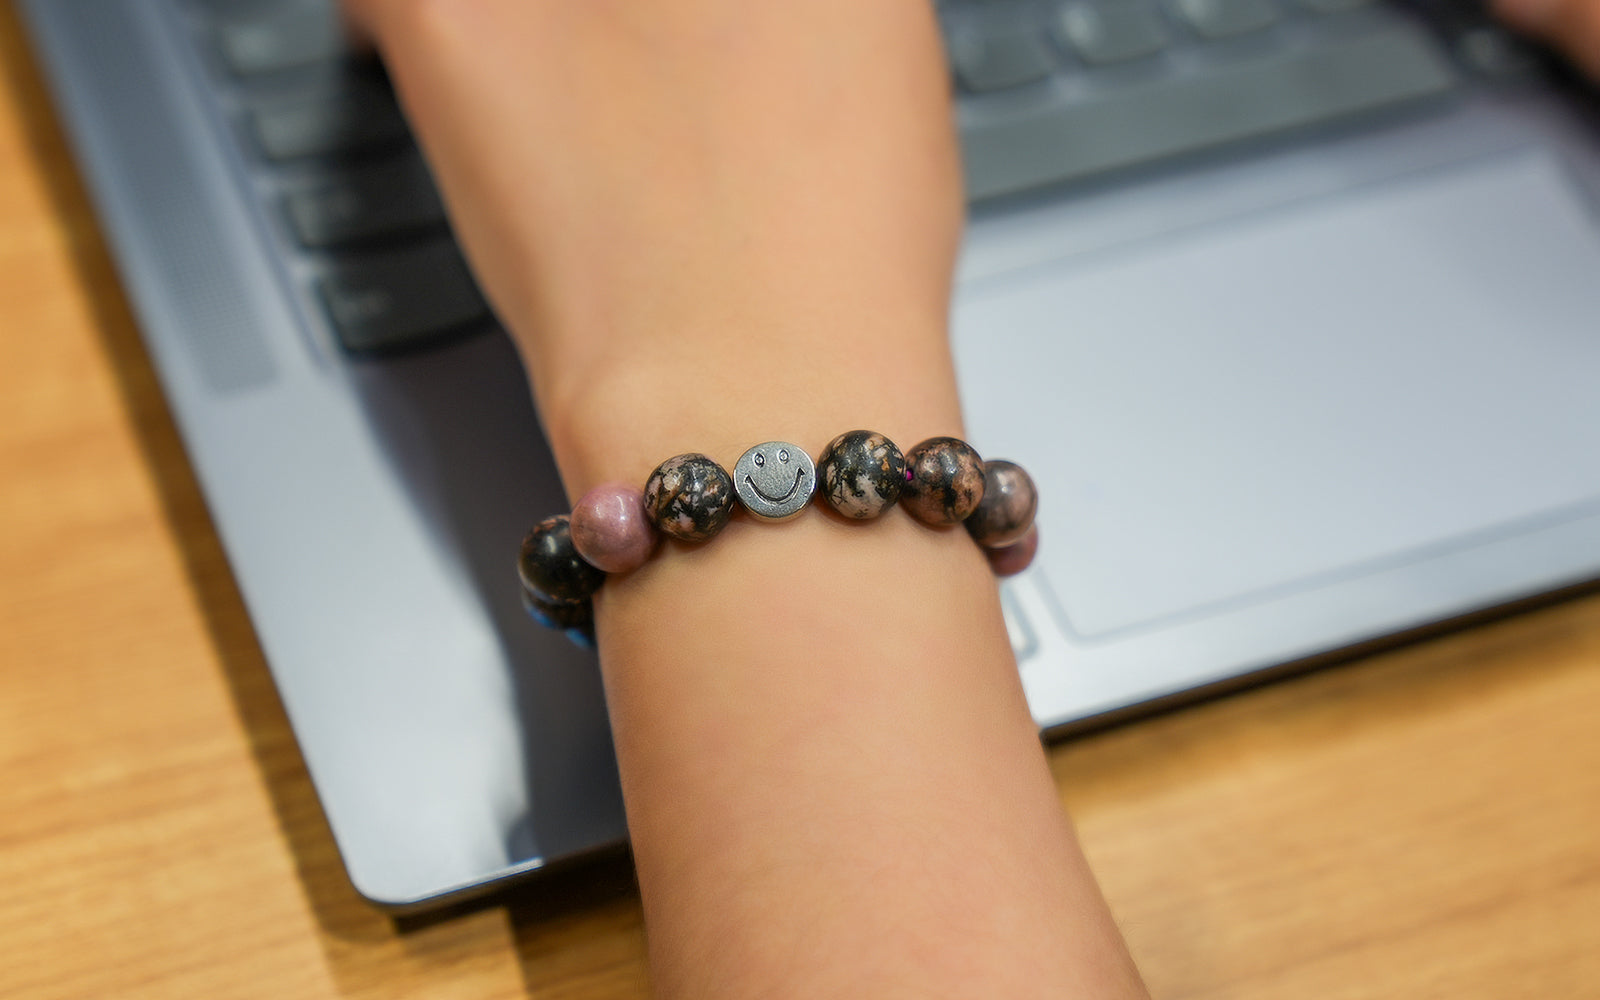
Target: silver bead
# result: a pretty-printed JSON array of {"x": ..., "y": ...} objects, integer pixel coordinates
[{"x": 774, "y": 480}]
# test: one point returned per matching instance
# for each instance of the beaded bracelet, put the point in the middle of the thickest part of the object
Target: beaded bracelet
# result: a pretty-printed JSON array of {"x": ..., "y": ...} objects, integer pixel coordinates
[{"x": 615, "y": 528}]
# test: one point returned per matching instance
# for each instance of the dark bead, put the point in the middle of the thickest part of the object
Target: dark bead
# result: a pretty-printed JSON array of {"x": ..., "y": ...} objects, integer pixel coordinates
[
  {"x": 1013, "y": 559},
  {"x": 861, "y": 474},
  {"x": 689, "y": 497},
  {"x": 558, "y": 615},
  {"x": 551, "y": 567},
  {"x": 944, "y": 481},
  {"x": 575, "y": 621},
  {"x": 1008, "y": 505}
]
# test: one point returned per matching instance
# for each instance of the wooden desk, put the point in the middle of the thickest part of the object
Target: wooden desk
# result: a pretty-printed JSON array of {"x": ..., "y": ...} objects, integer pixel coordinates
[{"x": 1424, "y": 823}]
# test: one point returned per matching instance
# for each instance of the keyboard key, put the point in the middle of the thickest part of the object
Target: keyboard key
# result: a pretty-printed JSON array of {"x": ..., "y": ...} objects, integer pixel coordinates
[
  {"x": 990, "y": 57},
  {"x": 301, "y": 36},
  {"x": 1491, "y": 52},
  {"x": 1331, "y": 6},
  {"x": 1223, "y": 18},
  {"x": 1110, "y": 32},
  {"x": 234, "y": 10},
  {"x": 403, "y": 300},
  {"x": 353, "y": 121},
  {"x": 1142, "y": 125},
  {"x": 371, "y": 204}
]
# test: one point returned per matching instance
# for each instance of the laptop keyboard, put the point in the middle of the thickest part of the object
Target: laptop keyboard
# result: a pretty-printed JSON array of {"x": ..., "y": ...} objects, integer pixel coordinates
[
  {"x": 1138, "y": 93},
  {"x": 1049, "y": 92}
]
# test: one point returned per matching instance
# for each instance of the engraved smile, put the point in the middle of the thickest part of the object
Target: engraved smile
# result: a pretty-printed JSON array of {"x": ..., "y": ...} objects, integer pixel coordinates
[{"x": 799, "y": 474}]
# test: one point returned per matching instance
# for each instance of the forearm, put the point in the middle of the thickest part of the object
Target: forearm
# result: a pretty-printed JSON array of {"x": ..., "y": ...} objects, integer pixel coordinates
[{"x": 833, "y": 783}]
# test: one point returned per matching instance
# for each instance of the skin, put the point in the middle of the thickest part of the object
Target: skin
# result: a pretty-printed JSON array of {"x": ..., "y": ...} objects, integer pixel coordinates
[
  {"x": 833, "y": 783},
  {"x": 1570, "y": 26}
]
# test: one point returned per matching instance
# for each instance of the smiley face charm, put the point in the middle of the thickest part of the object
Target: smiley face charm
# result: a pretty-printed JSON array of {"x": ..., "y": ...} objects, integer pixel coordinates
[{"x": 774, "y": 480}]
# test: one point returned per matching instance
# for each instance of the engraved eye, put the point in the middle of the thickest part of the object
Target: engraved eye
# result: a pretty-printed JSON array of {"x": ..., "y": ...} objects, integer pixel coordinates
[
  {"x": 760, "y": 459},
  {"x": 783, "y": 454}
]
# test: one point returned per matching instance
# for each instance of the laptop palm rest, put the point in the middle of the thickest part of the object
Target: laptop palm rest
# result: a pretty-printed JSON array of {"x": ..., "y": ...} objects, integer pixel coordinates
[{"x": 1298, "y": 397}]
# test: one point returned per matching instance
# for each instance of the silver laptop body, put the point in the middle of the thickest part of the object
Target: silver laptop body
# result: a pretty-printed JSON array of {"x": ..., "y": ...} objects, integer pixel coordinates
[{"x": 1305, "y": 358}]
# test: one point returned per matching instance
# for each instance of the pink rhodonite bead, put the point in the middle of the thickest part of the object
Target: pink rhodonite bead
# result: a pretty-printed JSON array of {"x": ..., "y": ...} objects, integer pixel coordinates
[{"x": 610, "y": 530}]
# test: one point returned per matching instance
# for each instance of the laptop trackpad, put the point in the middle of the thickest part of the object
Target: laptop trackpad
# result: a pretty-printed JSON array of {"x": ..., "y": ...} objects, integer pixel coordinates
[{"x": 1287, "y": 399}]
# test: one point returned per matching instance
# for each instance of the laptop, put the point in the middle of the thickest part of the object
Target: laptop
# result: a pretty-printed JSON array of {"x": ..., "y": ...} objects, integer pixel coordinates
[{"x": 1289, "y": 305}]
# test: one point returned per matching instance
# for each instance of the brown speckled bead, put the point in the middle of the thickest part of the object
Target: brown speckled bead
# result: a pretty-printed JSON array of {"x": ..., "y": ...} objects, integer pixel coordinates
[
  {"x": 944, "y": 481},
  {"x": 1009, "y": 503},
  {"x": 689, "y": 497},
  {"x": 861, "y": 474},
  {"x": 610, "y": 529},
  {"x": 551, "y": 567},
  {"x": 1013, "y": 559}
]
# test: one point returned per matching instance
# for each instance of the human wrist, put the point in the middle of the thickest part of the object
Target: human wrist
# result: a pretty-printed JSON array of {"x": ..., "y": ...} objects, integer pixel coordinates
[{"x": 614, "y": 409}]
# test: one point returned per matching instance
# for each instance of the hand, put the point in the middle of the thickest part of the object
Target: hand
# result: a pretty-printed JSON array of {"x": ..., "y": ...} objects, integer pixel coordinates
[
  {"x": 642, "y": 187},
  {"x": 1571, "y": 26}
]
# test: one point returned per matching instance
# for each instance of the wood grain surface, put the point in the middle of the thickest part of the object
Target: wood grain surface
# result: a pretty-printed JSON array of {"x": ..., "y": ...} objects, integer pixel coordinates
[{"x": 1421, "y": 823}]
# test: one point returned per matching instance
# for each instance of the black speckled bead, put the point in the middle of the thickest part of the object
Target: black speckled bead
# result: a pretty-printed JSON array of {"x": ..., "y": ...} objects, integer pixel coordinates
[
  {"x": 551, "y": 567},
  {"x": 689, "y": 497},
  {"x": 555, "y": 614},
  {"x": 1009, "y": 502},
  {"x": 576, "y": 620},
  {"x": 861, "y": 474},
  {"x": 944, "y": 481}
]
